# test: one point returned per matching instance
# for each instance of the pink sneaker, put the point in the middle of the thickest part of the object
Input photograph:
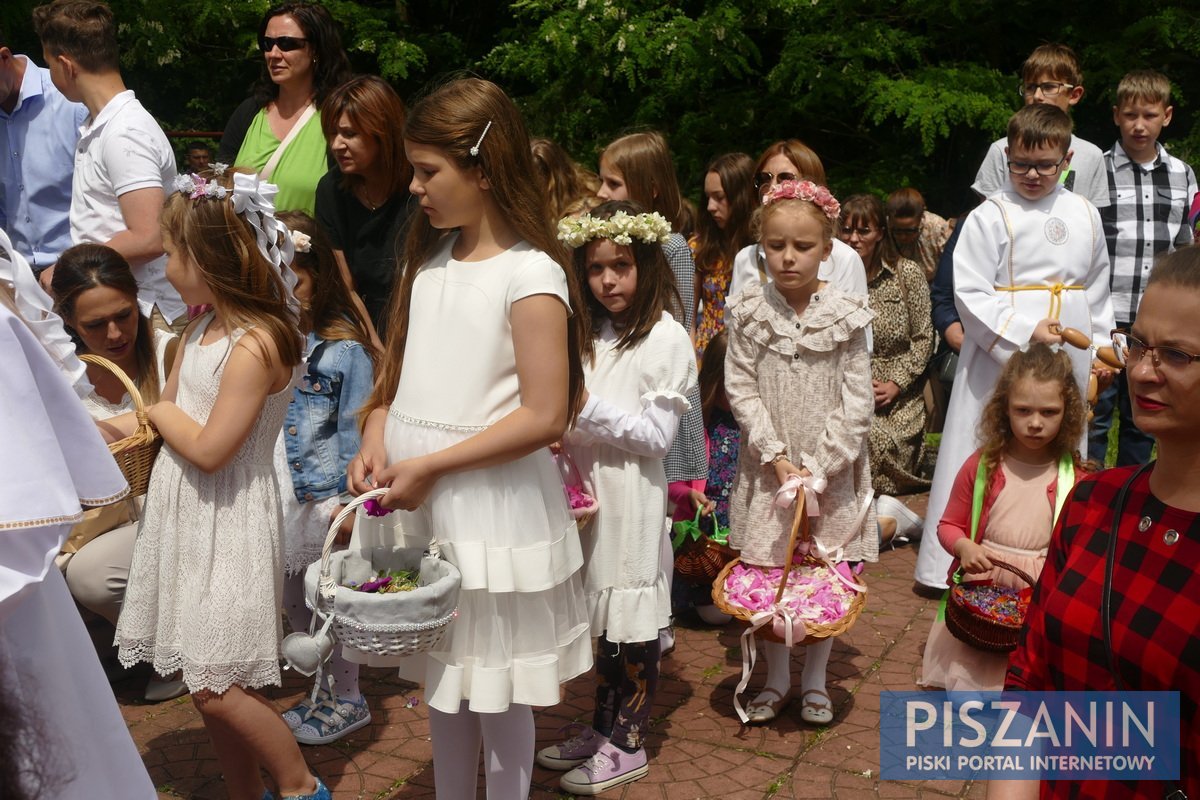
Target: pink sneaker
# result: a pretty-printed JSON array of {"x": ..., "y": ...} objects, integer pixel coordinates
[
  {"x": 610, "y": 767},
  {"x": 582, "y": 745}
]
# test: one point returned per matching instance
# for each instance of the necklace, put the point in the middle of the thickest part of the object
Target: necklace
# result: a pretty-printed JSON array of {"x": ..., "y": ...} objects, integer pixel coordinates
[{"x": 361, "y": 193}]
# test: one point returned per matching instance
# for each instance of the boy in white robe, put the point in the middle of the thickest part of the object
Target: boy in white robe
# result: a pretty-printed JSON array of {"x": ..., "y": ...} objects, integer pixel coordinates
[{"x": 1031, "y": 258}]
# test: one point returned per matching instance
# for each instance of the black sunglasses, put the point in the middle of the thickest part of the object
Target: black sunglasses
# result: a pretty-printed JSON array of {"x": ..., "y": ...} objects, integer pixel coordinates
[{"x": 285, "y": 43}]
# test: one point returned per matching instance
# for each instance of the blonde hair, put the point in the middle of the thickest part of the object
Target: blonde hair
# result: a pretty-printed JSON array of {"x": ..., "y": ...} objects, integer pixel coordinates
[
  {"x": 1039, "y": 363},
  {"x": 453, "y": 118},
  {"x": 566, "y": 182},
  {"x": 1057, "y": 61},
  {"x": 764, "y": 213},
  {"x": 1146, "y": 85},
  {"x": 645, "y": 164},
  {"x": 248, "y": 291}
]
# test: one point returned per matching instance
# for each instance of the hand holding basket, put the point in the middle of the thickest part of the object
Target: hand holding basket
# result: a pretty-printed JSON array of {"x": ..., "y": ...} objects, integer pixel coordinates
[
  {"x": 135, "y": 453},
  {"x": 969, "y": 622}
]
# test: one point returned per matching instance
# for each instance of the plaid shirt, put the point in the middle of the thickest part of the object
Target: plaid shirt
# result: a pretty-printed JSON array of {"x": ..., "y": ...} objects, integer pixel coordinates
[
  {"x": 1147, "y": 217},
  {"x": 1155, "y": 610}
]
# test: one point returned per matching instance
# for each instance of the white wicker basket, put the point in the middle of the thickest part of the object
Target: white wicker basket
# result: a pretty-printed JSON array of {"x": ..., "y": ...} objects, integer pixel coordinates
[{"x": 396, "y": 624}]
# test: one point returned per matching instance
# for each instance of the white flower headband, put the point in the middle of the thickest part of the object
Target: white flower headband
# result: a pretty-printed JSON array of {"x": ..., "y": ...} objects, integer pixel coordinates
[
  {"x": 621, "y": 228},
  {"x": 254, "y": 201},
  {"x": 301, "y": 241}
]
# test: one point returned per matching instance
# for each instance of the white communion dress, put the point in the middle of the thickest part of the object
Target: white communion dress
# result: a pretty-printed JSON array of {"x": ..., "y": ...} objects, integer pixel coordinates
[
  {"x": 206, "y": 581},
  {"x": 522, "y": 625}
]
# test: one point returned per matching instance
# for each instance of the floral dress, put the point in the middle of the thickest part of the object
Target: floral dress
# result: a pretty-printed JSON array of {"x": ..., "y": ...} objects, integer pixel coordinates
[
  {"x": 724, "y": 436},
  {"x": 714, "y": 287}
]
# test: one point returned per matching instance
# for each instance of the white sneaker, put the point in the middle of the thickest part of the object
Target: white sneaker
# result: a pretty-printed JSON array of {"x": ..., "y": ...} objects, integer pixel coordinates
[
  {"x": 666, "y": 641},
  {"x": 711, "y": 615},
  {"x": 908, "y": 524}
]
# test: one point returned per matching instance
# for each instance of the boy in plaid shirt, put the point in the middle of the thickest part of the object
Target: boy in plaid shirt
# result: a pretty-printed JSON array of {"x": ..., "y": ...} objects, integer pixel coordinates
[{"x": 1150, "y": 192}]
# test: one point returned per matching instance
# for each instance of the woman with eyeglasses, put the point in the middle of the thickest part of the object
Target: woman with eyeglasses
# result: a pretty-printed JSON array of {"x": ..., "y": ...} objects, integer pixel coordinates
[
  {"x": 903, "y": 343},
  {"x": 277, "y": 132},
  {"x": 793, "y": 160},
  {"x": 1117, "y": 607},
  {"x": 914, "y": 232}
]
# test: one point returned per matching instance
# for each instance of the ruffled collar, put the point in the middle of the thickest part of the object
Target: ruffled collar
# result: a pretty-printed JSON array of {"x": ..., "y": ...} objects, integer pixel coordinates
[{"x": 832, "y": 316}]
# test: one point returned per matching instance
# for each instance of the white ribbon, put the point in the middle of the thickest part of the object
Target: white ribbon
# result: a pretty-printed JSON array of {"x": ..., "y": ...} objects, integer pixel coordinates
[
  {"x": 785, "y": 496},
  {"x": 254, "y": 200},
  {"x": 750, "y": 648}
]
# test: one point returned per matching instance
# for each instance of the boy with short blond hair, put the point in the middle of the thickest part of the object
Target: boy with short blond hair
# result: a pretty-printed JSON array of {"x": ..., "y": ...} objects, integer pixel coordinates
[
  {"x": 1151, "y": 191},
  {"x": 1051, "y": 75},
  {"x": 1030, "y": 258}
]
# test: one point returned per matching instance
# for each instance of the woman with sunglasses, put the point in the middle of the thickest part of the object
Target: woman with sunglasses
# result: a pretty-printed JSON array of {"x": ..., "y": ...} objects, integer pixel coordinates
[
  {"x": 1125, "y": 556},
  {"x": 277, "y": 132},
  {"x": 793, "y": 160}
]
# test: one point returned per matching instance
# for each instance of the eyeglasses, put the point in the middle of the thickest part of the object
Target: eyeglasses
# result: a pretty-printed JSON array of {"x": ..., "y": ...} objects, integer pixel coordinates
[
  {"x": 1048, "y": 89},
  {"x": 1130, "y": 350},
  {"x": 1045, "y": 169},
  {"x": 285, "y": 43},
  {"x": 862, "y": 232},
  {"x": 767, "y": 178}
]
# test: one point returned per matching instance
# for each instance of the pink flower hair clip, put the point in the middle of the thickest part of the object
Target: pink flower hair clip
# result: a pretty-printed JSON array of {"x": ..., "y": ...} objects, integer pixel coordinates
[{"x": 805, "y": 190}]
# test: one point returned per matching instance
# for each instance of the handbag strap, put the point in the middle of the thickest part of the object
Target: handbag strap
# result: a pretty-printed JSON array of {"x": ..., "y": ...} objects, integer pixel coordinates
[
  {"x": 269, "y": 168},
  {"x": 1110, "y": 557}
]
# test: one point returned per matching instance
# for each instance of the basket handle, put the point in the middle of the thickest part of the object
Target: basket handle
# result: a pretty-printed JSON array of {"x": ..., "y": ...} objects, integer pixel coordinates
[
  {"x": 800, "y": 533},
  {"x": 1020, "y": 573},
  {"x": 138, "y": 404},
  {"x": 326, "y": 585}
]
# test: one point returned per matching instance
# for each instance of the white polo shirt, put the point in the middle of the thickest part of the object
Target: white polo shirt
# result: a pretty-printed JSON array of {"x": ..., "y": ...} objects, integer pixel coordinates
[{"x": 122, "y": 150}]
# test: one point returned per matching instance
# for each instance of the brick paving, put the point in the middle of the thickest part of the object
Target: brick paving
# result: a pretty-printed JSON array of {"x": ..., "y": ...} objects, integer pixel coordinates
[{"x": 697, "y": 747}]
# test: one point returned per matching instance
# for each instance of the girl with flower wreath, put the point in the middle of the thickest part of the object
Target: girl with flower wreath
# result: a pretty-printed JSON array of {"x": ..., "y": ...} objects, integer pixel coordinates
[
  {"x": 205, "y": 583},
  {"x": 638, "y": 368},
  {"x": 798, "y": 378},
  {"x": 1027, "y": 465},
  {"x": 319, "y": 437}
]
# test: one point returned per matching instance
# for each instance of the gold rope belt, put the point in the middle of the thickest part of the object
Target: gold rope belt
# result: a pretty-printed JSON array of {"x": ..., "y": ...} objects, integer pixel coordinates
[{"x": 1055, "y": 290}]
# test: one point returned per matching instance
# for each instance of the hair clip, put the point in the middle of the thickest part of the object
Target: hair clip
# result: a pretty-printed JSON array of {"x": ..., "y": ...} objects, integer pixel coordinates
[
  {"x": 302, "y": 241},
  {"x": 475, "y": 150}
]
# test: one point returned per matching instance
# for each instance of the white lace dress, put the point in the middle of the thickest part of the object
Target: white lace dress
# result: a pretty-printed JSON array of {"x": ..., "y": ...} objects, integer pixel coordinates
[{"x": 207, "y": 574}]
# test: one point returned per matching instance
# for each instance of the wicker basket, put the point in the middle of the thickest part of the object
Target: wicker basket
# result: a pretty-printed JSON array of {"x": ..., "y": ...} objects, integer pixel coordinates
[
  {"x": 135, "y": 453},
  {"x": 969, "y": 625},
  {"x": 813, "y": 631},
  {"x": 699, "y": 558},
  {"x": 399, "y": 624}
]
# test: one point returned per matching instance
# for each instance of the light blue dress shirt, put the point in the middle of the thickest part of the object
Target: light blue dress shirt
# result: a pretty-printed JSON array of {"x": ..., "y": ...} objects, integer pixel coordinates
[{"x": 37, "y": 159}]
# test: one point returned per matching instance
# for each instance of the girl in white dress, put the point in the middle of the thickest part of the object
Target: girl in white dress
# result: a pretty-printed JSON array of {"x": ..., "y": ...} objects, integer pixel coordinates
[
  {"x": 206, "y": 579},
  {"x": 480, "y": 374},
  {"x": 639, "y": 368}
]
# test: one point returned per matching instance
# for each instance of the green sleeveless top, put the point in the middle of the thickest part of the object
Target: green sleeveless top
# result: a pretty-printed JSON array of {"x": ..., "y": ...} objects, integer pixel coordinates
[{"x": 302, "y": 164}]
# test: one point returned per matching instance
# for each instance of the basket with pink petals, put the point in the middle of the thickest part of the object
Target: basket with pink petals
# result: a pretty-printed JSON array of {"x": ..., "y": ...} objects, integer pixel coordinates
[{"x": 583, "y": 506}]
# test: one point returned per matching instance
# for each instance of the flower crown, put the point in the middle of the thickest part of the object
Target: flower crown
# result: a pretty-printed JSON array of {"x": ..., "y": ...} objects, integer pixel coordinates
[
  {"x": 805, "y": 190},
  {"x": 621, "y": 228}
]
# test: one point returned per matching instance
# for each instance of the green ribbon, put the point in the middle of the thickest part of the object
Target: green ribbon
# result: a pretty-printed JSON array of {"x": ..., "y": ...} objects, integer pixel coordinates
[{"x": 685, "y": 528}]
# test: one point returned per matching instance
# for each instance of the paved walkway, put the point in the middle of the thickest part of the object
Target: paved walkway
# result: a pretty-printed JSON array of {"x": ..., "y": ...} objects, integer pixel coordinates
[{"x": 697, "y": 748}]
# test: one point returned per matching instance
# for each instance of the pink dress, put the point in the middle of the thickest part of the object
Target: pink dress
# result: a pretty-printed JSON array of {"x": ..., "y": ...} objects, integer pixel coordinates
[{"x": 1015, "y": 526}]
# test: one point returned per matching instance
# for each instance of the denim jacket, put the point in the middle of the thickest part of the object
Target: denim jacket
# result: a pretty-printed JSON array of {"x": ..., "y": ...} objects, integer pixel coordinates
[{"x": 321, "y": 431}]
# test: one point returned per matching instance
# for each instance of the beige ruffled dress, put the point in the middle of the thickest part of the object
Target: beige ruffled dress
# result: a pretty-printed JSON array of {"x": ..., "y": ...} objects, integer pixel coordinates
[{"x": 801, "y": 385}]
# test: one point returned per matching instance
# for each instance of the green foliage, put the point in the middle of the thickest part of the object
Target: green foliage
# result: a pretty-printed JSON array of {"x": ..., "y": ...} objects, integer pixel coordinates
[{"x": 909, "y": 92}]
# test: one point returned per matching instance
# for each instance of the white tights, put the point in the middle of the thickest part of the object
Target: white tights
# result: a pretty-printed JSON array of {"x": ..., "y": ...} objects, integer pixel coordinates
[
  {"x": 779, "y": 666},
  {"x": 507, "y": 738}
]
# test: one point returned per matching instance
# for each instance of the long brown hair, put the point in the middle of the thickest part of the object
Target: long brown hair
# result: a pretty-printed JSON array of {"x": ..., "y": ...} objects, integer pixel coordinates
[
  {"x": 331, "y": 313},
  {"x": 1040, "y": 363},
  {"x": 866, "y": 209},
  {"x": 565, "y": 181},
  {"x": 712, "y": 374},
  {"x": 452, "y": 118},
  {"x": 716, "y": 247},
  {"x": 645, "y": 164},
  {"x": 330, "y": 65},
  {"x": 88, "y": 266},
  {"x": 654, "y": 293},
  {"x": 247, "y": 290},
  {"x": 374, "y": 110}
]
